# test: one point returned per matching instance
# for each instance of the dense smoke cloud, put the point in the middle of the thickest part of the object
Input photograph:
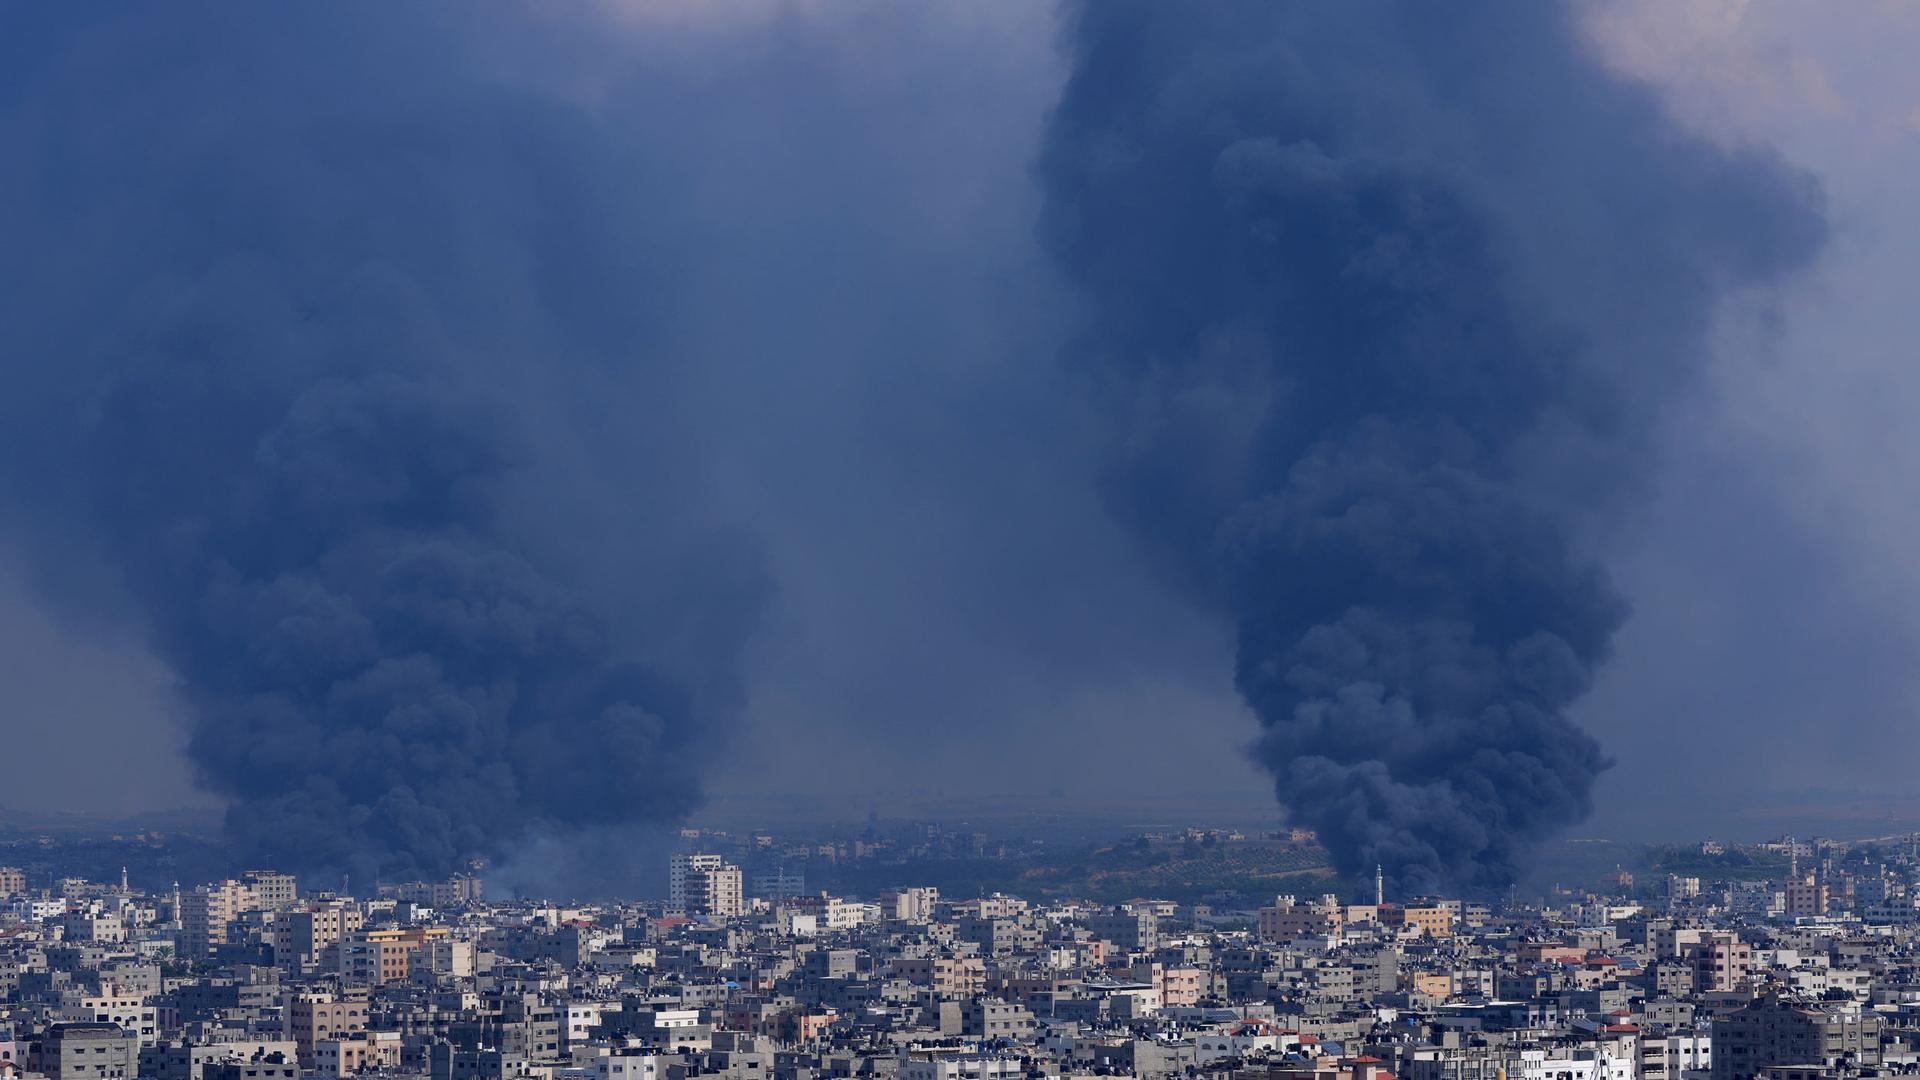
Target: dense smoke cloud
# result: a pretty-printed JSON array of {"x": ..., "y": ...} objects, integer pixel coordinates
[
  {"x": 689, "y": 269},
  {"x": 314, "y": 321},
  {"x": 1386, "y": 299},
  {"x": 404, "y": 372}
]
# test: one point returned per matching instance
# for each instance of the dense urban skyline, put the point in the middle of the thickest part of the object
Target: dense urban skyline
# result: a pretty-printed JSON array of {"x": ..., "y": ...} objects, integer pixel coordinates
[{"x": 778, "y": 955}]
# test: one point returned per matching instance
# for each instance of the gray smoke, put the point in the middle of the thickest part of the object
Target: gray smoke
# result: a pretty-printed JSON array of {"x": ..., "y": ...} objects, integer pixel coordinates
[
  {"x": 331, "y": 348},
  {"x": 1386, "y": 299}
]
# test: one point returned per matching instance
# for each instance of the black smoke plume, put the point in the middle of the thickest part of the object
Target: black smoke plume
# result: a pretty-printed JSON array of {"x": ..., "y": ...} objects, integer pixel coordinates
[
  {"x": 1385, "y": 297},
  {"x": 310, "y": 313}
]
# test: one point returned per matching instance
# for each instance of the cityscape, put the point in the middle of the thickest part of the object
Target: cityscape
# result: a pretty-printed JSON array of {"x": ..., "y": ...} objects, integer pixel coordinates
[
  {"x": 1787, "y": 960},
  {"x": 959, "y": 540}
]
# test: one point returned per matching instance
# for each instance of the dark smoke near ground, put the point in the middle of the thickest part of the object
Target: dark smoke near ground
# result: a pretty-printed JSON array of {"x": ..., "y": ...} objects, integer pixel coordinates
[
  {"x": 1385, "y": 301},
  {"x": 307, "y": 323}
]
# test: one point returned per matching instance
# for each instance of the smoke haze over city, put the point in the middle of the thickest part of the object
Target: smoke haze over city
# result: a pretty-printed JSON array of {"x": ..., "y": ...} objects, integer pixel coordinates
[{"x": 447, "y": 431}]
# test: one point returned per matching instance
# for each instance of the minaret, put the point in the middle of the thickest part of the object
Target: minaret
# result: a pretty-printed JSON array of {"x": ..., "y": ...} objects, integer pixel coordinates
[
  {"x": 123, "y": 882},
  {"x": 1793, "y": 860},
  {"x": 1379, "y": 886}
]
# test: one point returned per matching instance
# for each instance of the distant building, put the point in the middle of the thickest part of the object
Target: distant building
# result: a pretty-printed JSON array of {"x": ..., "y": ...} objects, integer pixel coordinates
[
  {"x": 705, "y": 885},
  {"x": 1776, "y": 1031},
  {"x": 910, "y": 905},
  {"x": 378, "y": 957},
  {"x": 628, "y": 1064},
  {"x": 268, "y": 890},
  {"x": 93, "y": 927},
  {"x": 1719, "y": 963},
  {"x": 129, "y": 1012},
  {"x": 1804, "y": 894},
  {"x": 1429, "y": 920},
  {"x": 312, "y": 1018},
  {"x": 457, "y": 891},
  {"x": 958, "y": 1066},
  {"x": 302, "y": 936},
  {"x": 275, "y": 1066},
  {"x": 90, "y": 1051},
  {"x": 946, "y": 976},
  {"x": 1128, "y": 930},
  {"x": 779, "y": 884},
  {"x": 450, "y": 1063},
  {"x": 1287, "y": 919},
  {"x": 205, "y": 914}
]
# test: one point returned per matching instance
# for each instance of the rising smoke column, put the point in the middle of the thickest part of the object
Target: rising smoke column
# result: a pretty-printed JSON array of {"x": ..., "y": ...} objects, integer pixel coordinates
[
  {"x": 1384, "y": 300},
  {"x": 302, "y": 304}
]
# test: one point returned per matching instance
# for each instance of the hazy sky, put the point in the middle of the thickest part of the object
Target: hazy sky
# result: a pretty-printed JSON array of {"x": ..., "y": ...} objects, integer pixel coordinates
[{"x": 855, "y": 182}]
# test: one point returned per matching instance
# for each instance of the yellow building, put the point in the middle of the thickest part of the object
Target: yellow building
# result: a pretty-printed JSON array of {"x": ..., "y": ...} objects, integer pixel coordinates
[{"x": 1427, "y": 920}]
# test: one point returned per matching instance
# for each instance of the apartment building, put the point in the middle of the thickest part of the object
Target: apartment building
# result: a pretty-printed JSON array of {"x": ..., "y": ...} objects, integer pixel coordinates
[
  {"x": 1775, "y": 1030},
  {"x": 128, "y": 1012},
  {"x": 458, "y": 890},
  {"x": 269, "y": 890},
  {"x": 378, "y": 957},
  {"x": 1720, "y": 962},
  {"x": 705, "y": 885},
  {"x": 910, "y": 905},
  {"x": 1288, "y": 919},
  {"x": 90, "y": 1051},
  {"x": 1426, "y": 920},
  {"x": 205, "y": 914},
  {"x": 947, "y": 976},
  {"x": 302, "y": 936},
  {"x": 779, "y": 884},
  {"x": 311, "y": 1018},
  {"x": 1130, "y": 931}
]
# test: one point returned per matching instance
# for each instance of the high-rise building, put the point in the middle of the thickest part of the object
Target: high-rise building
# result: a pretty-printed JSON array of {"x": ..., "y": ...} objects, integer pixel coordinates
[
  {"x": 301, "y": 937},
  {"x": 204, "y": 915},
  {"x": 682, "y": 865},
  {"x": 13, "y": 881},
  {"x": 716, "y": 893},
  {"x": 708, "y": 885},
  {"x": 205, "y": 912}
]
